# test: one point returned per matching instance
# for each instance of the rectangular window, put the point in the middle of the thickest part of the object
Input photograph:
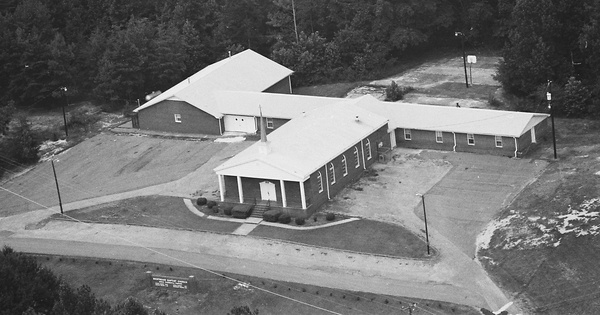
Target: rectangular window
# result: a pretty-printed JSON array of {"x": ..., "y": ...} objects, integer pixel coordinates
[
  {"x": 320, "y": 182},
  {"x": 344, "y": 166},
  {"x": 407, "y": 134},
  {"x": 498, "y": 141},
  {"x": 331, "y": 173},
  {"x": 177, "y": 118},
  {"x": 270, "y": 123},
  {"x": 470, "y": 139},
  {"x": 368, "y": 146},
  {"x": 439, "y": 137},
  {"x": 356, "y": 158}
]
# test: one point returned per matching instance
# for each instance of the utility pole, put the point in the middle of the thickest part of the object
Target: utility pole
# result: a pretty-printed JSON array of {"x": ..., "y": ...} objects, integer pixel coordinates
[
  {"x": 425, "y": 219},
  {"x": 462, "y": 41},
  {"x": 57, "y": 189},
  {"x": 549, "y": 99},
  {"x": 295, "y": 25},
  {"x": 64, "y": 91}
]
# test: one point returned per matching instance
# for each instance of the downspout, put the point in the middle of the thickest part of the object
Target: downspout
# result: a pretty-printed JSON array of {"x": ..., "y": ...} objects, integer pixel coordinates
[
  {"x": 516, "y": 146},
  {"x": 327, "y": 181},
  {"x": 454, "y": 147},
  {"x": 362, "y": 148}
]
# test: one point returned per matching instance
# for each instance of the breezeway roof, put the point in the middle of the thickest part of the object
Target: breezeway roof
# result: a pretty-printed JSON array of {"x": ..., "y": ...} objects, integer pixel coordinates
[
  {"x": 453, "y": 119},
  {"x": 246, "y": 71},
  {"x": 304, "y": 144}
]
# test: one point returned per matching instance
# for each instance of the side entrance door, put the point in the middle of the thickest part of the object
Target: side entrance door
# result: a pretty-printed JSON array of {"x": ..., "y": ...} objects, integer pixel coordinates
[{"x": 267, "y": 191}]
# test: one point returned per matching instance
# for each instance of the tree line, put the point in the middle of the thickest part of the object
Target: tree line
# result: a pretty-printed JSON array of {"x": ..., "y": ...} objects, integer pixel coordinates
[{"x": 118, "y": 51}]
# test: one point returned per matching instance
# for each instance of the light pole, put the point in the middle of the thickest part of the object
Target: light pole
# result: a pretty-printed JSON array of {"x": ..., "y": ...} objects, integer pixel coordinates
[
  {"x": 57, "y": 189},
  {"x": 549, "y": 99},
  {"x": 425, "y": 219},
  {"x": 64, "y": 91},
  {"x": 462, "y": 41}
]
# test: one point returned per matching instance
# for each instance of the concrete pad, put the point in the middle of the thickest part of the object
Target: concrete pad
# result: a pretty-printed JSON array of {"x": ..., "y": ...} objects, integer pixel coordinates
[{"x": 244, "y": 229}]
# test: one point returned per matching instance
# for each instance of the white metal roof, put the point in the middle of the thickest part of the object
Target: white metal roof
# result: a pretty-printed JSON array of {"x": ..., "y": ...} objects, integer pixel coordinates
[
  {"x": 453, "y": 119},
  {"x": 246, "y": 71},
  {"x": 306, "y": 143},
  {"x": 274, "y": 105}
]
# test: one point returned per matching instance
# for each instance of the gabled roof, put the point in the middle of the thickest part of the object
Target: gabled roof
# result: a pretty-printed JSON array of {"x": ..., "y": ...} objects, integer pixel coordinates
[
  {"x": 453, "y": 119},
  {"x": 273, "y": 105},
  {"x": 246, "y": 71},
  {"x": 306, "y": 143}
]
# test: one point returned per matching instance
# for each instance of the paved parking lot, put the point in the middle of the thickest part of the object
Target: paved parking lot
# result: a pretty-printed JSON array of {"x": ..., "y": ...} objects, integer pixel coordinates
[
  {"x": 463, "y": 192},
  {"x": 110, "y": 163}
]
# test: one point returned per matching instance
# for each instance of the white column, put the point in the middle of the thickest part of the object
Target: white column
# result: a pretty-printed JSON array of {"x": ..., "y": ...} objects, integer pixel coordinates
[
  {"x": 302, "y": 195},
  {"x": 222, "y": 187},
  {"x": 283, "y": 197},
  {"x": 240, "y": 191}
]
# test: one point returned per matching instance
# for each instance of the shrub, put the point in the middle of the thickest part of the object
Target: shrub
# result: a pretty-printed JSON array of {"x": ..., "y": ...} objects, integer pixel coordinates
[
  {"x": 271, "y": 215},
  {"x": 242, "y": 211},
  {"x": 299, "y": 221},
  {"x": 215, "y": 209},
  {"x": 285, "y": 218},
  {"x": 201, "y": 201},
  {"x": 330, "y": 216},
  {"x": 211, "y": 203},
  {"x": 227, "y": 210}
]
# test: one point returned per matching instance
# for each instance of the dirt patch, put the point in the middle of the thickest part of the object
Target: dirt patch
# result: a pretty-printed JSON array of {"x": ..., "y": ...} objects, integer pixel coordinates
[{"x": 544, "y": 246}]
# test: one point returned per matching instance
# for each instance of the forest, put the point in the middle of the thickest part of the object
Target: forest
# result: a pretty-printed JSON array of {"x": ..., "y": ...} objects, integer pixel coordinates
[{"x": 118, "y": 51}]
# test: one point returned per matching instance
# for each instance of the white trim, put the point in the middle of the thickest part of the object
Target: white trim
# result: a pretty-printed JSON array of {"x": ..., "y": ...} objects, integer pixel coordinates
[
  {"x": 368, "y": 145},
  {"x": 393, "y": 139},
  {"x": 320, "y": 183},
  {"x": 222, "y": 187},
  {"x": 344, "y": 165},
  {"x": 454, "y": 147},
  {"x": 220, "y": 127},
  {"x": 290, "y": 81},
  {"x": 240, "y": 191},
  {"x": 516, "y": 146},
  {"x": 407, "y": 134},
  {"x": 439, "y": 135},
  {"x": 533, "y": 137},
  {"x": 331, "y": 168},
  {"x": 362, "y": 147},
  {"x": 327, "y": 181},
  {"x": 177, "y": 118},
  {"x": 283, "y": 195},
  {"x": 498, "y": 139},
  {"x": 471, "y": 138},
  {"x": 356, "y": 157},
  {"x": 302, "y": 195}
]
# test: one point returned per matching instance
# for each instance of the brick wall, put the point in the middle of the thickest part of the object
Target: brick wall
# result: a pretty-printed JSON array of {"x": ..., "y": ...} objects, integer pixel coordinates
[{"x": 160, "y": 117}]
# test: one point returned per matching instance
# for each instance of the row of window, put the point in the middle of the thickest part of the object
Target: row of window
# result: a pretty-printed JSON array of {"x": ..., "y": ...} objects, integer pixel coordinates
[
  {"x": 270, "y": 124},
  {"x": 439, "y": 138},
  {"x": 331, "y": 167}
]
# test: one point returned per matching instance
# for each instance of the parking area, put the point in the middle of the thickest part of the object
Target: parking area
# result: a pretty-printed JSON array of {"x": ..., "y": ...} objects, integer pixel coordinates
[
  {"x": 463, "y": 192},
  {"x": 111, "y": 163}
]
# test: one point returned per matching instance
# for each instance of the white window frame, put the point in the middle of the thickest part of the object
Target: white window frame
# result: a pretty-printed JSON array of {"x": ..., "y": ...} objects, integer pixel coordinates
[
  {"x": 177, "y": 118},
  {"x": 439, "y": 137},
  {"x": 498, "y": 140},
  {"x": 407, "y": 134},
  {"x": 344, "y": 165},
  {"x": 470, "y": 139},
  {"x": 269, "y": 123},
  {"x": 331, "y": 169},
  {"x": 356, "y": 158},
  {"x": 320, "y": 182},
  {"x": 368, "y": 146}
]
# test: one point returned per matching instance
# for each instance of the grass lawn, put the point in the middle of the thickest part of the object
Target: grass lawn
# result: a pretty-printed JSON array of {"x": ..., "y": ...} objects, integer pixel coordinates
[
  {"x": 217, "y": 295},
  {"x": 157, "y": 211},
  {"x": 171, "y": 213},
  {"x": 329, "y": 90},
  {"x": 361, "y": 236},
  {"x": 548, "y": 255},
  {"x": 458, "y": 90}
]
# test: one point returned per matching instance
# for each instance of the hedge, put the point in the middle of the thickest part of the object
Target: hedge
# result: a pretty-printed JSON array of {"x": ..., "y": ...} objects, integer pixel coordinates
[
  {"x": 285, "y": 218},
  {"x": 242, "y": 211},
  {"x": 201, "y": 201},
  {"x": 271, "y": 215}
]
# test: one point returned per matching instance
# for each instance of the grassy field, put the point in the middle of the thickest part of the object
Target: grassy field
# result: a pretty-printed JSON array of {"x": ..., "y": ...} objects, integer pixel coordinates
[
  {"x": 217, "y": 295},
  {"x": 170, "y": 212},
  {"x": 546, "y": 247}
]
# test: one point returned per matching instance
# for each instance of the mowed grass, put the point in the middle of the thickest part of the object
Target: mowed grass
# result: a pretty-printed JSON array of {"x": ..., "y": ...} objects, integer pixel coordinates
[
  {"x": 218, "y": 295},
  {"x": 365, "y": 236},
  {"x": 548, "y": 279},
  {"x": 360, "y": 236},
  {"x": 156, "y": 211}
]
